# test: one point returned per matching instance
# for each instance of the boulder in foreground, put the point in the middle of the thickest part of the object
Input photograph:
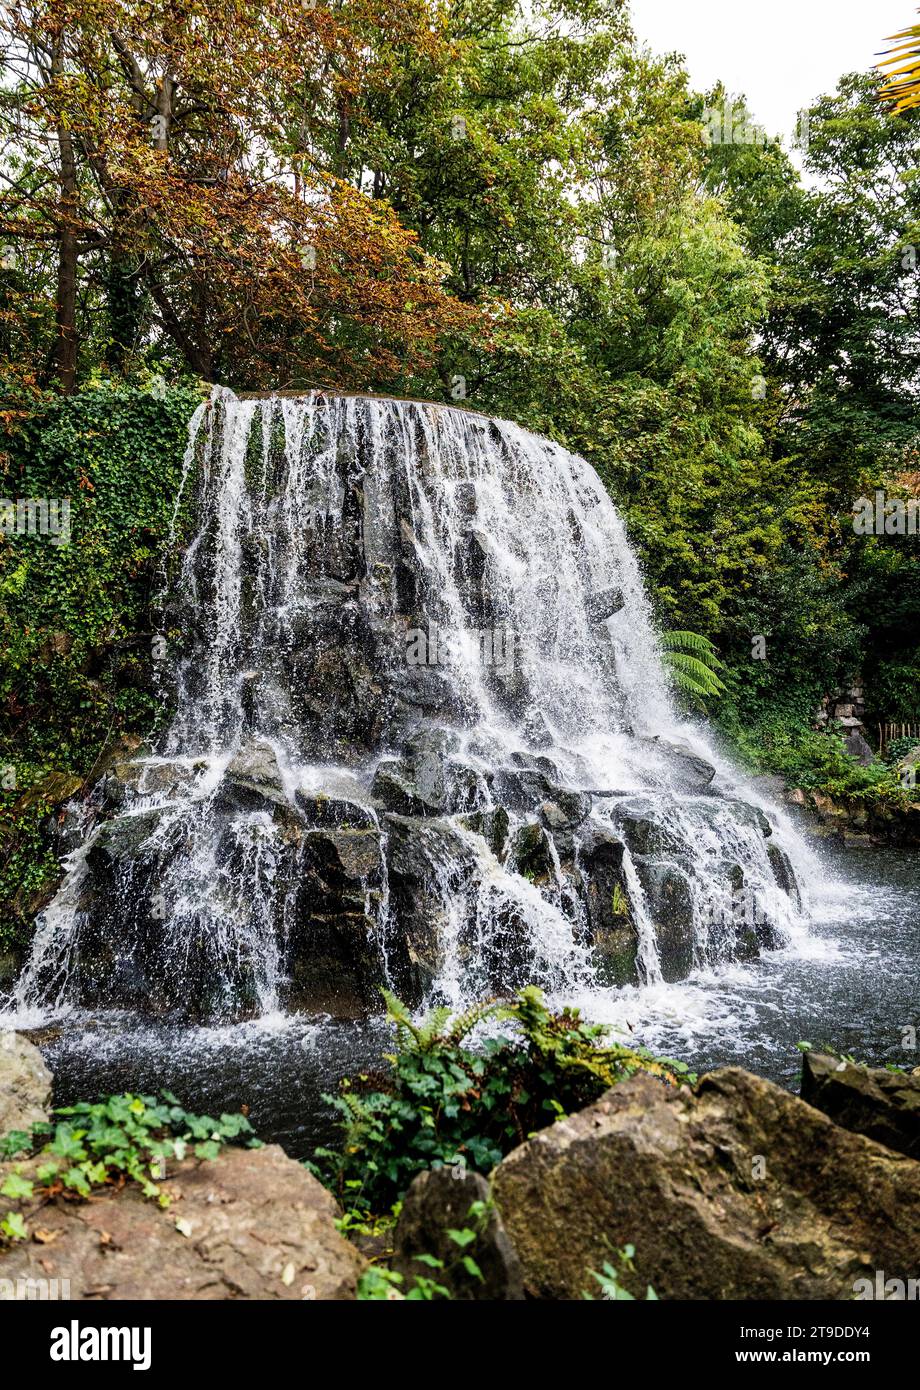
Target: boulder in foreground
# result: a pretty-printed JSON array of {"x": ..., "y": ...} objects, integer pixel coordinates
[
  {"x": 251, "y": 1224},
  {"x": 437, "y": 1202},
  {"x": 25, "y": 1084},
  {"x": 736, "y": 1190}
]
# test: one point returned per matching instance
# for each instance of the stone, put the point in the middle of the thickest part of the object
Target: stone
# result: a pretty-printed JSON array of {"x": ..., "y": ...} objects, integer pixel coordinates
[
  {"x": 883, "y": 1105},
  {"x": 911, "y": 760},
  {"x": 690, "y": 772},
  {"x": 602, "y": 605},
  {"x": 857, "y": 747},
  {"x": 638, "y": 820},
  {"x": 255, "y": 770},
  {"x": 670, "y": 901},
  {"x": 733, "y": 1190},
  {"x": 251, "y": 1224},
  {"x": 420, "y": 852},
  {"x": 531, "y": 854},
  {"x": 614, "y": 939},
  {"x": 437, "y": 1201},
  {"x": 25, "y": 1084},
  {"x": 783, "y": 872},
  {"x": 336, "y": 963}
]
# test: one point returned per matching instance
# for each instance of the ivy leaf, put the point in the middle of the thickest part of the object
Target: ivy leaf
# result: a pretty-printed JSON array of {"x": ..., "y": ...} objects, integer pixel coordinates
[{"x": 16, "y": 1187}]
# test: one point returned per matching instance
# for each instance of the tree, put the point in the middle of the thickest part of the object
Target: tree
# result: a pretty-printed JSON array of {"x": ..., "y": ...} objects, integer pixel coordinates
[{"x": 148, "y": 154}]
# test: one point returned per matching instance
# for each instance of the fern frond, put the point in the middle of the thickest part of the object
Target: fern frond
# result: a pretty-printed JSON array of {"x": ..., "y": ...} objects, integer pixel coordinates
[
  {"x": 464, "y": 1023},
  {"x": 399, "y": 1014},
  {"x": 430, "y": 1029},
  {"x": 692, "y": 642}
]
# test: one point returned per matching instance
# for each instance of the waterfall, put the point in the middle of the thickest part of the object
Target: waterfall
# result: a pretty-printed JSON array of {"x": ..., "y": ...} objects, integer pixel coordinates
[{"x": 421, "y": 737}]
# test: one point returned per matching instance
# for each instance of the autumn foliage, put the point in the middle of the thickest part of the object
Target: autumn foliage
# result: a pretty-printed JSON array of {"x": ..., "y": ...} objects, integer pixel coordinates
[{"x": 167, "y": 163}]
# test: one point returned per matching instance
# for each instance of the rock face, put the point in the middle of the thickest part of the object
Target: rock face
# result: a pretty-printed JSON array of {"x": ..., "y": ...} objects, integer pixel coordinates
[
  {"x": 251, "y": 1224},
  {"x": 421, "y": 738},
  {"x": 25, "y": 1084},
  {"x": 737, "y": 1190},
  {"x": 853, "y": 821},
  {"x": 883, "y": 1105},
  {"x": 439, "y": 1201}
]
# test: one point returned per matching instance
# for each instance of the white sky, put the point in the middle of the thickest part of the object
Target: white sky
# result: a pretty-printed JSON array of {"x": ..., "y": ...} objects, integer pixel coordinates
[{"x": 781, "y": 54}]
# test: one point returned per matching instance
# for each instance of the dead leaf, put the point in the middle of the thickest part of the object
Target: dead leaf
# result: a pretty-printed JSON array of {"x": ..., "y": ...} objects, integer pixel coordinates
[{"x": 44, "y": 1237}]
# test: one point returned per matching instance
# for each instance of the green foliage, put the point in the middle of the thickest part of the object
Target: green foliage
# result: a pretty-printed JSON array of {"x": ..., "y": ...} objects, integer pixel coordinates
[
  {"x": 610, "y": 1275},
  {"x": 783, "y": 743},
  {"x": 693, "y": 665},
  {"x": 446, "y": 1103},
  {"x": 126, "y": 1138},
  {"x": 898, "y": 748},
  {"x": 75, "y": 624}
]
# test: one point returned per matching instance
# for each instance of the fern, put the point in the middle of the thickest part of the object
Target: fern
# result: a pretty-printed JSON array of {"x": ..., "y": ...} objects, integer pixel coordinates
[
  {"x": 464, "y": 1023},
  {"x": 692, "y": 664}
]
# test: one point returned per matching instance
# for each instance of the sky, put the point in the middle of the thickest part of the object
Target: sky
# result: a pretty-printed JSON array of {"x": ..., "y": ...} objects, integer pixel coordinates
[{"x": 781, "y": 54}]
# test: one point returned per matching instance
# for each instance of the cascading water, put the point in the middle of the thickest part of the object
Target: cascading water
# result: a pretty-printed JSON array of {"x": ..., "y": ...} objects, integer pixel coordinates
[{"x": 422, "y": 738}]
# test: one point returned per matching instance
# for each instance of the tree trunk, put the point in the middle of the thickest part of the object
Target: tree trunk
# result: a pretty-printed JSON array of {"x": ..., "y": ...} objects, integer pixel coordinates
[{"x": 65, "y": 355}]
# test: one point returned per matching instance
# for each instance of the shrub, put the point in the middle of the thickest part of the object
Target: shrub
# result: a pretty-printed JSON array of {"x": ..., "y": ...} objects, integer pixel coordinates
[{"x": 445, "y": 1103}]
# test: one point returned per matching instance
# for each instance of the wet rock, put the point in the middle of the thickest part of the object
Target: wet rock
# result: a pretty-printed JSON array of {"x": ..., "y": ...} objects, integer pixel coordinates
[
  {"x": 428, "y": 865},
  {"x": 25, "y": 1084},
  {"x": 690, "y": 772},
  {"x": 531, "y": 854},
  {"x": 140, "y": 777},
  {"x": 427, "y": 780},
  {"x": 438, "y": 1201},
  {"x": 882, "y": 1105},
  {"x": 613, "y": 935},
  {"x": 736, "y": 1190},
  {"x": 742, "y": 811},
  {"x": 670, "y": 902},
  {"x": 529, "y": 789},
  {"x": 783, "y": 872},
  {"x": 639, "y": 822},
  {"x": 251, "y": 1224},
  {"x": 254, "y": 777},
  {"x": 492, "y": 826},
  {"x": 325, "y": 811},
  {"x": 123, "y": 839},
  {"x": 333, "y": 945},
  {"x": 396, "y": 789},
  {"x": 602, "y": 605}
]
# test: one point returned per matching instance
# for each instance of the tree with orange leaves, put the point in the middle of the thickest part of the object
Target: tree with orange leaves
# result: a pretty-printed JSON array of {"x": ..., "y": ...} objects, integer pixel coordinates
[{"x": 150, "y": 171}]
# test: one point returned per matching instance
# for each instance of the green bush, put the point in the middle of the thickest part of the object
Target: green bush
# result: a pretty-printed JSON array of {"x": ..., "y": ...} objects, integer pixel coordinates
[
  {"x": 443, "y": 1103},
  {"x": 899, "y": 748}
]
